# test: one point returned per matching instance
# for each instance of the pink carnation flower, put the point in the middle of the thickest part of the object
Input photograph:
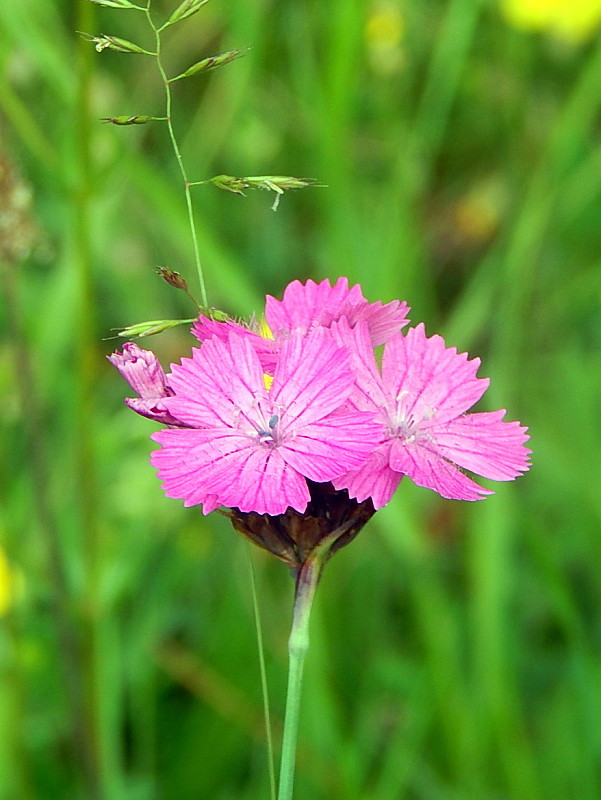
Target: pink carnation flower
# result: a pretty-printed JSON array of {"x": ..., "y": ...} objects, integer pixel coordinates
[
  {"x": 142, "y": 370},
  {"x": 251, "y": 447},
  {"x": 305, "y": 307},
  {"x": 421, "y": 398}
]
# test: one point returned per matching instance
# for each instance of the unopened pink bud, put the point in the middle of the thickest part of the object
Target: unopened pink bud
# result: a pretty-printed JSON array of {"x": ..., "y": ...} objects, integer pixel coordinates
[{"x": 144, "y": 373}]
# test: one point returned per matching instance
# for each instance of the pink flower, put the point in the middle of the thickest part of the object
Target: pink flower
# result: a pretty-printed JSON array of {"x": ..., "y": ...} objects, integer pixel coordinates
[
  {"x": 251, "y": 447},
  {"x": 142, "y": 370},
  {"x": 421, "y": 398},
  {"x": 305, "y": 307}
]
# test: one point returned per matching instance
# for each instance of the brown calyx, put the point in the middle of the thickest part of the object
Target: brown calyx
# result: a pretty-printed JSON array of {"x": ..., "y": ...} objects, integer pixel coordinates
[{"x": 292, "y": 536}]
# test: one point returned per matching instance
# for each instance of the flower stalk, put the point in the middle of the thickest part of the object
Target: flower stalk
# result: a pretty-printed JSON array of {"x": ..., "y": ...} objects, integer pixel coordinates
[
  {"x": 298, "y": 646},
  {"x": 308, "y": 574}
]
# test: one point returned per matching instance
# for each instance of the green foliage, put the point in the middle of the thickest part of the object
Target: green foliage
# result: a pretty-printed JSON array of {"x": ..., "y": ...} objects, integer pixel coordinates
[{"x": 455, "y": 647}]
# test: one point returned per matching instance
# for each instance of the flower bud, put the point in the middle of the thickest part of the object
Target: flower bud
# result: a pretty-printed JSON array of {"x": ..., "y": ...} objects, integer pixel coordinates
[
  {"x": 150, "y": 328},
  {"x": 172, "y": 278},
  {"x": 144, "y": 373}
]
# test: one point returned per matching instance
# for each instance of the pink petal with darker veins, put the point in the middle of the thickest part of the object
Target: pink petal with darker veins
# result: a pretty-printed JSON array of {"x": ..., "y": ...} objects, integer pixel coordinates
[
  {"x": 204, "y": 329},
  {"x": 187, "y": 458},
  {"x": 373, "y": 479},
  {"x": 228, "y": 467},
  {"x": 427, "y": 468},
  {"x": 218, "y": 383},
  {"x": 369, "y": 393},
  {"x": 323, "y": 450},
  {"x": 436, "y": 382},
  {"x": 260, "y": 481},
  {"x": 383, "y": 321},
  {"x": 306, "y": 306},
  {"x": 313, "y": 377},
  {"x": 485, "y": 445},
  {"x": 142, "y": 370}
]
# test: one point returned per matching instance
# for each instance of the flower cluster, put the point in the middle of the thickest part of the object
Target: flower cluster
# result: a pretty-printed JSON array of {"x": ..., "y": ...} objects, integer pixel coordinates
[
  {"x": 257, "y": 424},
  {"x": 571, "y": 20}
]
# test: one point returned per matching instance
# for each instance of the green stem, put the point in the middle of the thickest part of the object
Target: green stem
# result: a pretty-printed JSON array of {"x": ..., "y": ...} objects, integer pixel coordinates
[
  {"x": 178, "y": 155},
  {"x": 307, "y": 578},
  {"x": 263, "y": 671},
  {"x": 298, "y": 645}
]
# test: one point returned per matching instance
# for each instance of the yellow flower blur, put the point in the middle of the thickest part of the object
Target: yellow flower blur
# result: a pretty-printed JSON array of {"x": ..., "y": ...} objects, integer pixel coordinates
[
  {"x": 384, "y": 30},
  {"x": 6, "y": 584},
  {"x": 573, "y": 20}
]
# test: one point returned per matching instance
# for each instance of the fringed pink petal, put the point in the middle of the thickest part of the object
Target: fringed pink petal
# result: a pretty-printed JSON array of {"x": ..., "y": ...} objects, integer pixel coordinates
[
  {"x": 306, "y": 306},
  {"x": 312, "y": 378},
  {"x": 383, "y": 321},
  {"x": 188, "y": 457},
  {"x": 373, "y": 479},
  {"x": 205, "y": 466},
  {"x": 259, "y": 480},
  {"x": 266, "y": 349},
  {"x": 369, "y": 393},
  {"x": 154, "y": 409},
  {"x": 435, "y": 381},
  {"x": 210, "y": 504},
  {"x": 485, "y": 445},
  {"x": 427, "y": 468},
  {"x": 218, "y": 383}
]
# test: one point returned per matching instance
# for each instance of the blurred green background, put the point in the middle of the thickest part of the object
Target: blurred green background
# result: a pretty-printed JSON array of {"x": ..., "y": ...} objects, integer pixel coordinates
[{"x": 456, "y": 647}]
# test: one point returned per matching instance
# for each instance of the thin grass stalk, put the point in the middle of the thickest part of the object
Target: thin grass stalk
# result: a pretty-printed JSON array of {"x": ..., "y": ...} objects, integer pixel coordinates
[
  {"x": 263, "y": 671},
  {"x": 178, "y": 155}
]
